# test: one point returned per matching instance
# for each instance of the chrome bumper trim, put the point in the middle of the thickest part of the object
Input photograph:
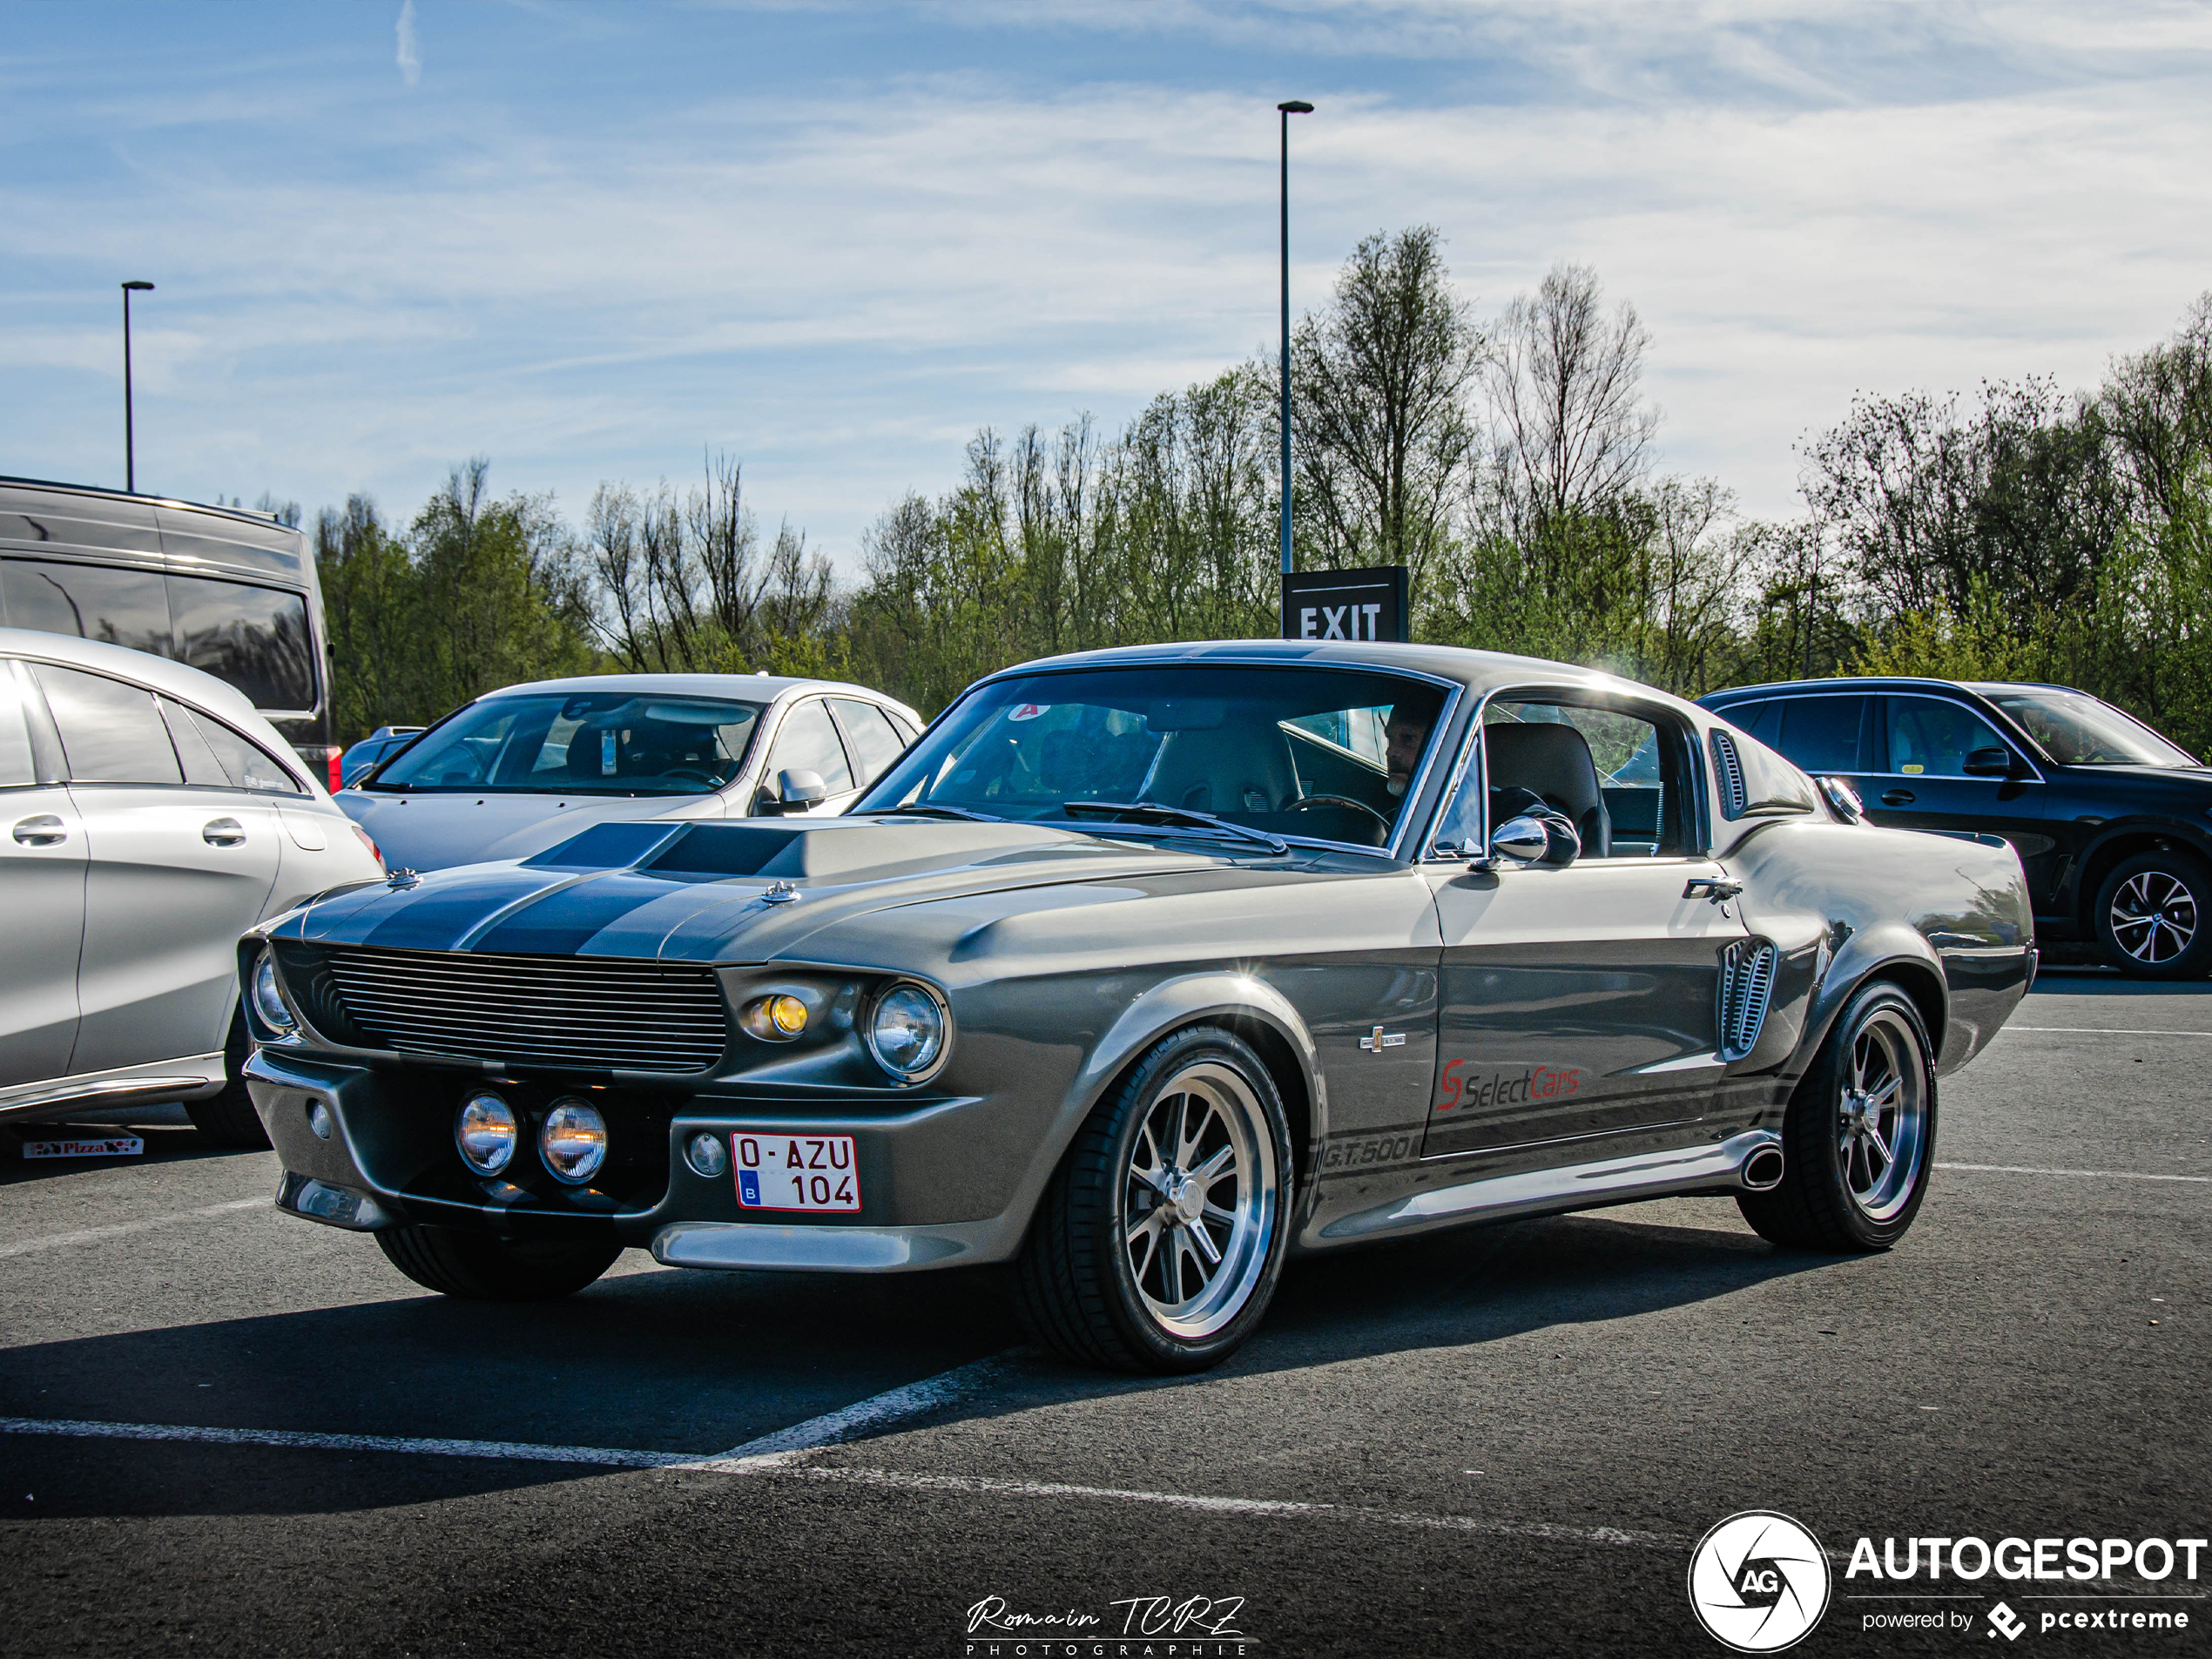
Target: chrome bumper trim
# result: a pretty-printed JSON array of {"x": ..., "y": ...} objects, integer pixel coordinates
[{"x": 741, "y": 1245}]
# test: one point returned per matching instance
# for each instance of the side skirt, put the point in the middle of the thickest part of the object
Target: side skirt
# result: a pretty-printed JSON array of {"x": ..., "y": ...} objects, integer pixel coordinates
[{"x": 1574, "y": 1186}]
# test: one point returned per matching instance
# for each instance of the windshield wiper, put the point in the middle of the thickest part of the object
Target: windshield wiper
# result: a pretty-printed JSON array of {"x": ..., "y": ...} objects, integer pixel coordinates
[
  {"x": 929, "y": 810},
  {"x": 1153, "y": 813}
]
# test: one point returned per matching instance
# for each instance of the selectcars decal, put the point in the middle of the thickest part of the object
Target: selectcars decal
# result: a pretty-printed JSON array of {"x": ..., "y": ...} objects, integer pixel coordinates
[{"x": 1506, "y": 1087}]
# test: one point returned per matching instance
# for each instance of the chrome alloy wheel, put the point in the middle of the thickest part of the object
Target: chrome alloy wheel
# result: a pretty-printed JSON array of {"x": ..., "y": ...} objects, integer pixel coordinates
[
  {"x": 2153, "y": 917},
  {"x": 1199, "y": 1199},
  {"x": 1882, "y": 1124}
]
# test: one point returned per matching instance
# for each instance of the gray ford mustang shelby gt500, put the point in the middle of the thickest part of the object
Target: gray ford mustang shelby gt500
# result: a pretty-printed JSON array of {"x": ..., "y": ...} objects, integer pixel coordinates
[{"x": 1141, "y": 969}]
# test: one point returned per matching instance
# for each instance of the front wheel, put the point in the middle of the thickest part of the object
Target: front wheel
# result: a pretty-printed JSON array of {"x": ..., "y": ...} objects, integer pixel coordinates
[
  {"x": 2150, "y": 916},
  {"x": 1158, "y": 1243},
  {"x": 228, "y": 1119},
  {"x": 480, "y": 1268},
  {"x": 1859, "y": 1137}
]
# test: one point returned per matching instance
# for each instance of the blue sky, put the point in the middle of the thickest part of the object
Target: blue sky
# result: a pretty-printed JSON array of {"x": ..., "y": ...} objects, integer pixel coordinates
[{"x": 591, "y": 241}]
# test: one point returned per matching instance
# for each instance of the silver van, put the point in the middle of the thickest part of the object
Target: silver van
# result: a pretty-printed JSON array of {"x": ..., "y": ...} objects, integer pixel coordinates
[
  {"x": 228, "y": 592},
  {"x": 148, "y": 817}
]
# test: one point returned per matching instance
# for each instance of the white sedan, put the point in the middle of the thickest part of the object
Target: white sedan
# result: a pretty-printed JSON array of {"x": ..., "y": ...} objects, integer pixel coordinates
[{"x": 524, "y": 769}]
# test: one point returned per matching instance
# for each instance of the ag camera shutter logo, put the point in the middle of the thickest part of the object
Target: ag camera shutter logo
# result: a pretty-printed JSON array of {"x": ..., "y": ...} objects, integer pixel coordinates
[{"x": 1758, "y": 1581}]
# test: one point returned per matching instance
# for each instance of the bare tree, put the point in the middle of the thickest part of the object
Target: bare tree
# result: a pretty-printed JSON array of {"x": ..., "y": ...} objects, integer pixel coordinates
[
  {"x": 1380, "y": 387},
  {"x": 1564, "y": 382}
]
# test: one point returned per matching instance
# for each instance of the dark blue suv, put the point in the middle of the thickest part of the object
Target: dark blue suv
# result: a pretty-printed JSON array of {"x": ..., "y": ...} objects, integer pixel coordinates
[{"x": 2113, "y": 823}]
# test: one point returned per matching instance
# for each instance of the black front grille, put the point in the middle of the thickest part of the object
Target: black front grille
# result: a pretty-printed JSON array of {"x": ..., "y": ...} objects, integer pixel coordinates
[{"x": 595, "y": 1011}]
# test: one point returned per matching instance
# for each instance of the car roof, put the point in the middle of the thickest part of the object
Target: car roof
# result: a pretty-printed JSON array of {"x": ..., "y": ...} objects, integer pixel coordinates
[
  {"x": 1839, "y": 682},
  {"x": 753, "y": 688},
  {"x": 1479, "y": 671},
  {"x": 174, "y": 680}
]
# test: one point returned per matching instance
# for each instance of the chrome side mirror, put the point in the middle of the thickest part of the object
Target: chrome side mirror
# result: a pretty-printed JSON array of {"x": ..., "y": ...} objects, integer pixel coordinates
[
  {"x": 1838, "y": 793},
  {"x": 1516, "y": 844},
  {"x": 797, "y": 789}
]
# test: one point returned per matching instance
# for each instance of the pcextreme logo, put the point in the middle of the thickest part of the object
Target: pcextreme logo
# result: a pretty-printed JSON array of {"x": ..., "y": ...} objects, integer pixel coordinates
[{"x": 1758, "y": 1581}]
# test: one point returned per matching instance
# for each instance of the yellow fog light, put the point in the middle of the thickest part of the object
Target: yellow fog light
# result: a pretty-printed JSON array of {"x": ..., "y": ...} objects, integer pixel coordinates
[{"x": 775, "y": 1019}]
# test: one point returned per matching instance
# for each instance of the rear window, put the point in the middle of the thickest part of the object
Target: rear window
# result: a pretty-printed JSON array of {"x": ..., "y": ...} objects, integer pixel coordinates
[{"x": 255, "y": 639}]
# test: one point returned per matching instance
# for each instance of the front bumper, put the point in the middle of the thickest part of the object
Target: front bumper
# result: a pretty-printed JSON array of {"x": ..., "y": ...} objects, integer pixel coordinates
[{"x": 942, "y": 1181}]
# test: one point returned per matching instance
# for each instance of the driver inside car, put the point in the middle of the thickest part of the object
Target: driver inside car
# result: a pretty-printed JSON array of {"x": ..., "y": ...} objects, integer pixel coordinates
[{"x": 1403, "y": 739}]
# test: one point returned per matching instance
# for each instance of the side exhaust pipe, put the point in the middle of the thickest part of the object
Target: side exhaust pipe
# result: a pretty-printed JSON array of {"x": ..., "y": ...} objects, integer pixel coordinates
[{"x": 1762, "y": 1171}]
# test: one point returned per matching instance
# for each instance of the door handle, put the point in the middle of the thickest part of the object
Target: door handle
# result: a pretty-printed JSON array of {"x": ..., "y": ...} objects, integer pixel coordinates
[
  {"x": 1897, "y": 798},
  {"x": 1719, "y": 889},
  {"x": 223, "y": 832},
  {"x": 45, "y": 830}
]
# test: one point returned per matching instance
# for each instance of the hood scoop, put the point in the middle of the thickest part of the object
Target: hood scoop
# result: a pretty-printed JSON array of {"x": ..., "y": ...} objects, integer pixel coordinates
[{"x": 834, "y": 850}]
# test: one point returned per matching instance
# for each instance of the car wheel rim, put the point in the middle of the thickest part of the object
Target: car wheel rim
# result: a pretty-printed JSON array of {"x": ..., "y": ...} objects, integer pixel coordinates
[
  {"x": 1199, "y": 1200},
  {"x": 1881, "y": 1127},
  {"x": 2153, "y": 917}
]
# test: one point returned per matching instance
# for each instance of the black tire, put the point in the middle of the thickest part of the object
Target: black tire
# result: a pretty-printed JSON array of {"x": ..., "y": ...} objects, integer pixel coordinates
[
  {"x": 1079, "y": 1290},
  {"x": 1818, "y": 1205},
  {"x": 228, "y": 1119},
  {"x": 481, "y": 1268},
  {"x": 2169, "y": 892}
]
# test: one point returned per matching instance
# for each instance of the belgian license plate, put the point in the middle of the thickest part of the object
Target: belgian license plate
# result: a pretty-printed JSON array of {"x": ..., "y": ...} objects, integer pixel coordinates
[{"x": 812, "y": 1172}]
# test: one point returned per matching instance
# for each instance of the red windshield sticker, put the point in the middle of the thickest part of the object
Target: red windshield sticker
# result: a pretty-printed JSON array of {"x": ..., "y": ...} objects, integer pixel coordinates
[{"x": 1029, "y": 711}]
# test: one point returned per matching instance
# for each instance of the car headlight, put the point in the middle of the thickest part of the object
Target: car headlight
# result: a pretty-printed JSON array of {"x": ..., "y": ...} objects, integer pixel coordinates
[
  {"x": 486, "y": 1133},
  {"x": 573, "y": 1142},
  {"x": 909, "y": 1030},
  {"x": 268, "y": 999}
]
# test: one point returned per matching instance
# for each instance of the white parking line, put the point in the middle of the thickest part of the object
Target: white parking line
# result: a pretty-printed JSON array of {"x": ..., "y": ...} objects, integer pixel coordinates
[
  {"x": 891, "y": 1479},
  {"x": 2102, "y": 1175},
  {"x": 93, "y": 1235},
  {"x": 2107, "y": 1030},
  {"x": 290, "y": 1439},
  {"x": 878, "y": 1412}
]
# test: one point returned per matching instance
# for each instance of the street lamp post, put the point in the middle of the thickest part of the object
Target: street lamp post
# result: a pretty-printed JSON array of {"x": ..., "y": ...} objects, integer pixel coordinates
[
  {"x": 130, "y": 447},
  {"x": 1295, "y": 107}
]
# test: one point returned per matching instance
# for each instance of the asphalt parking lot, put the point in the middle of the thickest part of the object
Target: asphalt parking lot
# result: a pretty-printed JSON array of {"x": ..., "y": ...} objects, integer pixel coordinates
[{"x": 1508, "y": 1436}]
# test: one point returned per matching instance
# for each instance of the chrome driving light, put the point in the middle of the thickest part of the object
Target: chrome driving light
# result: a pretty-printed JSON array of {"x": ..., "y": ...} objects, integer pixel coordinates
[
  {"x": 774, "y": 1019},
  {"x": 486, "y": 1133},
  {"x": 573, "y": 1142},
  {"x": 268, "y": 1000},
  {"x": 707, "y": 1155},
  {"x": 908, "y": 1031}
]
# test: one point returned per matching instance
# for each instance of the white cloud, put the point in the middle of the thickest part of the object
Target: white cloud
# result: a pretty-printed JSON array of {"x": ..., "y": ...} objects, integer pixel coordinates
[{"x": 410, "y": 55}]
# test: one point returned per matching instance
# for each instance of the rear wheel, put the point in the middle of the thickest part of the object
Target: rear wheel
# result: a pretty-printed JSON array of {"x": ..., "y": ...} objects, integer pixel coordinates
[
  {"x": 2150, "y": 915},
  {"x": 1859, "y": 1137},
  {"x": 481, "y": 1268},
  {"x": 1158, "y": 1243},
  {"x": 228, "y": 1119}
]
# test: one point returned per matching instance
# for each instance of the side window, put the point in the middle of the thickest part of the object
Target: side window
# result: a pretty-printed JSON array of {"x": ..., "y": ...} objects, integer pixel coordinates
[
  {"x": 1761, "y": 720},
  {"x": 808, "y": 742},
  {"x": 111, "y": 732},
  {"x": 1820, "y": 733},
  {"x": 1621, "y": 777},
  {"x": 253, "y": 639},
  {"x": 1458, "y": 826},
  {"x": 875, "y": 740},
  {"x": 250, "y": 766},
  {"x": 193, "y": 752},
  {"x": 121, "y": 607},
  {"x": 1932, "y": 737},
  {"x": 17, "y": 766}
]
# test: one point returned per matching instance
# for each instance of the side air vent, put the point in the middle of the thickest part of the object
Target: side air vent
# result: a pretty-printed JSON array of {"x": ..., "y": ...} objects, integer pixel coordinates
[
  {"x": 1747, "y": 983},
  {"x": 1728, "y": 767}
]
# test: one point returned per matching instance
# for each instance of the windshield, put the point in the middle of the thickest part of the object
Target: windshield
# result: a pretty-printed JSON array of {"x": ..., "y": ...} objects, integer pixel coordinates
[
  {"x": 1311, "y": 753},
  {"x": 588, "y": 743},
  {"x": 2080, "y": 730}
]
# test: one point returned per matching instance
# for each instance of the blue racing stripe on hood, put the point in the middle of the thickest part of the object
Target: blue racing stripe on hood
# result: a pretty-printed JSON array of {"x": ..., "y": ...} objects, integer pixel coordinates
[{"x": 563, "y": 922}]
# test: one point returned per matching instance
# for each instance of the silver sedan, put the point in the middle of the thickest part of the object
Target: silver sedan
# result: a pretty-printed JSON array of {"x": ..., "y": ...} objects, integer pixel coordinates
[{"x": 151, "y": 816}]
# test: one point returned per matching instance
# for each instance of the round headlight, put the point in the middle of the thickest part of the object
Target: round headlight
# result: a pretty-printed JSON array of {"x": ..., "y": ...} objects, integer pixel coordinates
[
  {"x": 906, "y": 1031},
  {"x": 706, "y": 1154},
  {"x": 573, "y": 1140},
  {"x": 268, "y": 1000},
  {"x": 775, "y": 1019},
  {"x": 486, "y": 1133}
]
